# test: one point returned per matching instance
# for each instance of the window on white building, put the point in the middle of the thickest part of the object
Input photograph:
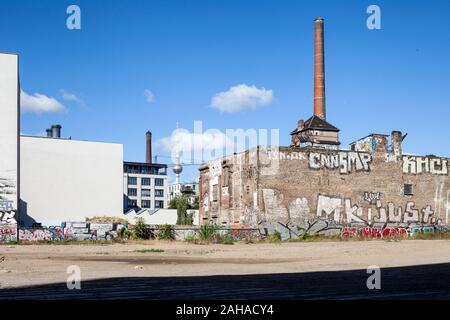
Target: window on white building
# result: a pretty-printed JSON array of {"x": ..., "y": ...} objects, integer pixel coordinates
[{"x": 146, "y": 203}]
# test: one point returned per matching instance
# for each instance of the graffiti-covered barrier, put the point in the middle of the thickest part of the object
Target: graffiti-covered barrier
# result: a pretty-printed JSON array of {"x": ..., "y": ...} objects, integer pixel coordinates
[
  {"x": 328, "y": 192},
  {"x": 182, "y": 233},
  {"x": 72, "y": 231}
]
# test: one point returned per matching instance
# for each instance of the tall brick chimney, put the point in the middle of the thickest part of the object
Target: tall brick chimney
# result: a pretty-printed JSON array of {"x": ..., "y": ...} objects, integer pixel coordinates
[
  {"x": 148, "y": 150},
  {"x": 319, "y": 70}
]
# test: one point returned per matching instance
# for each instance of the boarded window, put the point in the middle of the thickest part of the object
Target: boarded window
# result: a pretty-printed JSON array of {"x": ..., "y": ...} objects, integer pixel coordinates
[
  {"x": 215, "y": 192},
  {"x": 408, "y": 190}
]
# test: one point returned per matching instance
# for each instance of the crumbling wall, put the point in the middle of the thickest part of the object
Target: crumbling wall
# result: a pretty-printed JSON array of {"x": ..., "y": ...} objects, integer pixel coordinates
[{"x": 335, "y": 192}]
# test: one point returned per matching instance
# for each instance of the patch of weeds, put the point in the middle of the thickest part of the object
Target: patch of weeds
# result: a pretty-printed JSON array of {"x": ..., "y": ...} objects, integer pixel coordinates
[
  {"x": 208, "y": 232},
  {"x": 165, "y": 232},
  {"x": 190, "y": 237},
  {"x": 149, "y": 250},
  {"x": 274, "y": 237},
  {"x": 225, "y": 240}
]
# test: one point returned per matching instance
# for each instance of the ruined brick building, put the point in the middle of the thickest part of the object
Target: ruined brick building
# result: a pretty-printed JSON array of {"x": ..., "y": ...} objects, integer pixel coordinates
[{"x": 314, "y": 186}]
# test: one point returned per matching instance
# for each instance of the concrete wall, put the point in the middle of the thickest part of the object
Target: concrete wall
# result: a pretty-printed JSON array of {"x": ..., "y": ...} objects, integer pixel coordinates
[
  {"x": 68, "y": 180},
  {"x": 159, "y": 217},
  {"x": 9, "y": 133},
  {"x": 324, "y": 191}
]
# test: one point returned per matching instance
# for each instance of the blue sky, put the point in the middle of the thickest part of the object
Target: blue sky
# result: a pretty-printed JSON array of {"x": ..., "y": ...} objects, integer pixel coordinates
[{"x": 186, "y": 52}]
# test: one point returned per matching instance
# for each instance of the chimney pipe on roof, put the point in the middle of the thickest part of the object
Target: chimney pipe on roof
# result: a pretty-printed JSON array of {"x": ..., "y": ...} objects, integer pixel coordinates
[
  {"x": 49, "y": 132},
  {"x": 319, "y": 69},
  {"x": 56, "y": 131},
  {"x": 148, "y": 151}
]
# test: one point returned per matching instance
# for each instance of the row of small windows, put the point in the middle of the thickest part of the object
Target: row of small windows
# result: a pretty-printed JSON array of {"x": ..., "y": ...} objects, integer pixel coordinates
[
  {"x": 146, "y": 181},
  {"x": 145, "y": 192},
  {"x": 145, "y": 203}
]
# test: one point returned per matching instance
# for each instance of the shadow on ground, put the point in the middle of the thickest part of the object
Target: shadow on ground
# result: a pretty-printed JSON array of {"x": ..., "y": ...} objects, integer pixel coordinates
[{"x": 412, "y": 282}]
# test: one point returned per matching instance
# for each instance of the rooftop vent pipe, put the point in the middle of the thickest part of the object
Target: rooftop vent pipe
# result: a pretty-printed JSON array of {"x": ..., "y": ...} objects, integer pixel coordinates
[{"x": 56, "y": 131}]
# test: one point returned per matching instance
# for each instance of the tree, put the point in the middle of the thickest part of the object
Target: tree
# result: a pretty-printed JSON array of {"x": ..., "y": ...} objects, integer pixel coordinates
[{"x": 181, "y": 203}]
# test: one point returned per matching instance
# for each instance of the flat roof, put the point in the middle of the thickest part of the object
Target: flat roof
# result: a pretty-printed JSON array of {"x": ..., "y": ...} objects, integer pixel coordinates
[
  {"x": 145, "y": 164},
  {"x": 66, "y": 139}
]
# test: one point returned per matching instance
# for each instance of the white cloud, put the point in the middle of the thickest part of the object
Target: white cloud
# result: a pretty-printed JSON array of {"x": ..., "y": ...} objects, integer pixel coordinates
[
  {"x": 242, "y": 97},
  {"x": 39, "y": 103},
  {"x": 69, "y": 96},
  {"x": 149, "y": 96}
]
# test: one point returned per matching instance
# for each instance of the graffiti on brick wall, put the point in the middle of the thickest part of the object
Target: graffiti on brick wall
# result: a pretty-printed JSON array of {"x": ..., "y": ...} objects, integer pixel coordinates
[
  {"x": 372, "y": 197},
  {"x": 389, "y": 232},
  {"x": 7, "y": 212},
  {"x": 343, "y": 211},
  {"x": 418, "y": 165},
  {"x": 346, "y": 162},
  {"x": 8, "y": 232},
  {"x": 368, "y": 144},
  {"x": 275, "y": 210}
]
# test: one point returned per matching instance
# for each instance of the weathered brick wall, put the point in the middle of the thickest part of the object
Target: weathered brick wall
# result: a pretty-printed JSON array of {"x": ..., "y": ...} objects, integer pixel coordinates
[{"x": 324, "y": 191}]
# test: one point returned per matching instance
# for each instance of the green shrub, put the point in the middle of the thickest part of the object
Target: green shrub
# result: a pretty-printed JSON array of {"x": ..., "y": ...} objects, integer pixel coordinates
[
  {"x": 207, "y": 232},
  {"x": 123, "y": 234},
  {"x": 140, "y": 230},
  {"x": 274, "y": 237},
  {"x": 165, "y": 232}
]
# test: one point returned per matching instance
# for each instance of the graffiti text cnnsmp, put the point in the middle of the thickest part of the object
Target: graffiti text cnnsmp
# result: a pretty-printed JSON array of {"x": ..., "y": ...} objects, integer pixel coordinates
[
  {"x": 343, "y": 211},
  {"x": 418, "y": 165},
  {"x": 346, "y": 162}
]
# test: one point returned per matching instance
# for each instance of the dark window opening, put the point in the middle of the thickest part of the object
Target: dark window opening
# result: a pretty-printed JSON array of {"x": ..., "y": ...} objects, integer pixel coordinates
[{"x": 407, "y": 190}]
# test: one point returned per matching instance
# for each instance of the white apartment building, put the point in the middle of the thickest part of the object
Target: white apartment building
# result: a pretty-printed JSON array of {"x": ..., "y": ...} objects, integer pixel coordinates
[
  {"x": 145, "y": 186},
  {"x": 190, "y": 189}
]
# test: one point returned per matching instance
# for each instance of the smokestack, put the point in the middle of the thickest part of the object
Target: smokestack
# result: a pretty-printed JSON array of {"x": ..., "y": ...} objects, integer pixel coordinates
[
  {"x": 56, "y": 131},
  {"x": 49, "y": 132},
  {"x": 148, "y": 151},
  {"x": 319, "y": 69}
]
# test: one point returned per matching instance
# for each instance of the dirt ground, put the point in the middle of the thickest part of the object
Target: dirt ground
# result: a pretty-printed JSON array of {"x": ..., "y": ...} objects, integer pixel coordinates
[{"x": 26, "y": 265}]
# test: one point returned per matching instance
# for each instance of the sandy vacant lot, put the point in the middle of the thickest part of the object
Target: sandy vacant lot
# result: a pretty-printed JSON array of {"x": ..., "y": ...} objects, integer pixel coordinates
[{"x": 24, "y": 265}]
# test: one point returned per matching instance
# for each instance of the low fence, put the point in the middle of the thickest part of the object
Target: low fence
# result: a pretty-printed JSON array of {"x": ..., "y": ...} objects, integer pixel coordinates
[
  {"x": 110, "y": 231},
  {"x": 186, "y": 232},
  {"x": 72, "y": 231}
]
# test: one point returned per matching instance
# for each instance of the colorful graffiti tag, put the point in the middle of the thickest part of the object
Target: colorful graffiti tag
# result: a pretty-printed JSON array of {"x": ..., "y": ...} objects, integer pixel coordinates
[{"x": 72, "y": 231}]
